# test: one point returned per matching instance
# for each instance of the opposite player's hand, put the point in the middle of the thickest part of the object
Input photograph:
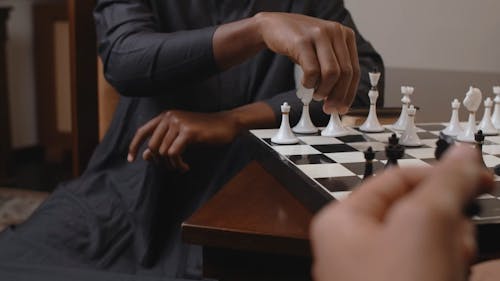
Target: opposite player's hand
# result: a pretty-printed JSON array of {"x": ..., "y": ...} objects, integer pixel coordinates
[
  {"x": 172, "y": 131},
  {"x": 325, "y": 50},
  {"x": 405, "y": 224}
]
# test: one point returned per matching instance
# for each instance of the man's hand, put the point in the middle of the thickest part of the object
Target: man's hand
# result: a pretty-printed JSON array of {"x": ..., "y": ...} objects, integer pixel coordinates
[
  {"x": 406, "y": 224},
  {"x": 172, "y": 131},
  {"x": 325, "y": 50}
]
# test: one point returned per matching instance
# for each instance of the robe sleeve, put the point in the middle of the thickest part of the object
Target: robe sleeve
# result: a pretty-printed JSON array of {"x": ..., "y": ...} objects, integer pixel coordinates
[{"x": 139, "y": 60}]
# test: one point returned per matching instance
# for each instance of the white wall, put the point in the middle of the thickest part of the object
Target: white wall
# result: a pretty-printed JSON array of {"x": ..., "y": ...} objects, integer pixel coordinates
[
  {"x": 460, "y": 35},
  {"x": 20, "y": 70}
]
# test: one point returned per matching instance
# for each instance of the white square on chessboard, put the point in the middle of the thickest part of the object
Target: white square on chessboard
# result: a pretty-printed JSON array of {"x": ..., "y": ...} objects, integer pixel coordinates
[
  {"x": 409, "y": 163},
  {"x": 325, "y": 170},
  {"x": 340, "y": 195},
  {"x": 491, "y": 149},
  {"x": 496, "y": 178},
  {"x": 494, "y": 139},
  {"x": 490, "y": 160},
  {"x": 300, "y": 149},
  {"x": 421, "y": 153},
  {"x": 429, "y": 142},
  {"x": 347, "y": 157},
  {"x": 316, "y": 140},
  {"x": 362, "y": 146},
  {"x": 264, "y": 133},
  {"x": 381, "y": 137}
]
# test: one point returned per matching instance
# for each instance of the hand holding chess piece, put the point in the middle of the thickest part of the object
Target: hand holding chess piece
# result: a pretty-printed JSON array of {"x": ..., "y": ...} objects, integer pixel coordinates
[{"x": 472, "y": 102}]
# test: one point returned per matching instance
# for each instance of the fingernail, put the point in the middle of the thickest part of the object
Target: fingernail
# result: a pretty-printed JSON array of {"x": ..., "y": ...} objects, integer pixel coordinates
[{"x": 130, "y": 158}]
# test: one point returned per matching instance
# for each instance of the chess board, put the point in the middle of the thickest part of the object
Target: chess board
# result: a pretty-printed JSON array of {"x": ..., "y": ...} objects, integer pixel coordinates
[{"x": 320, "y": 169}]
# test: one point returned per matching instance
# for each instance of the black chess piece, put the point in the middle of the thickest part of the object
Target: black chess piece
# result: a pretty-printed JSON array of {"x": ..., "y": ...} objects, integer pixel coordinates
[
  {"x": 479, "y": 138},
  {"x": 369, "y": 156},
  {"x": 442, "y": 144},
  {"x": 393, "y": 151}
]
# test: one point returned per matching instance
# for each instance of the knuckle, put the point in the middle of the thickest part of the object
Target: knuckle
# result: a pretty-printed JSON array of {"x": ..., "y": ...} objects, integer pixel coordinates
[
  {"x": 331, "y": 73},
  {"x": 347, "y": 71},
  {"x": 349, "y": 32}
]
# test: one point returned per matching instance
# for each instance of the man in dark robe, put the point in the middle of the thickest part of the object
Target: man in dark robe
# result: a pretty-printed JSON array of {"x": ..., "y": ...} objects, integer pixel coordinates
[{"x": 214, "y": 68}]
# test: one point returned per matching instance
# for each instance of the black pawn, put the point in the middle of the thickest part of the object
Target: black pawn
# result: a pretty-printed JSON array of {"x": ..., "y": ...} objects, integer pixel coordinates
[
  {"x": 369, "y": 156},
  {"x": 479, "y": 138},
  {"x": 442, "y": 144},
  {"x": 393, "y": 151}
]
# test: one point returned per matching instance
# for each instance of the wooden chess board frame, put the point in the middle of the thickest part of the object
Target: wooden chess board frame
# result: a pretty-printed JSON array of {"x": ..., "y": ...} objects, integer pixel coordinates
[{"x": 321, "y": 169}]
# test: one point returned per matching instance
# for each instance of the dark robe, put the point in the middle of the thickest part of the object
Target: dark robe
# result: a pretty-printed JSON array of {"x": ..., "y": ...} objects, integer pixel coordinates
[{"x": 124, "y": 217}]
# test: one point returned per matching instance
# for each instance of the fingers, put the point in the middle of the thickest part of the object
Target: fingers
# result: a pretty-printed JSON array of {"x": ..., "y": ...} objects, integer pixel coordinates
[
  {"x": 308, "y": 60},
  {"x": 330, "y": 69},
  {"x": 175, "y": 151},
  {"x": 141, "y": 135},
  {"x": 454, "y": 183},
  {"x": 375, "y": 197}
]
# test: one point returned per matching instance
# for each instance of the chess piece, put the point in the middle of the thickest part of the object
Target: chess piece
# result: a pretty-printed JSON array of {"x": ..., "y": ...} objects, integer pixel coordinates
[
  {"x": 334, "y": 127},
  {"x": 400, "y": 125},
  {"x": 409, "y": 136},
  {"x": 305, "y": 124},
  {"x": 369, "y": 156},
  {"x": 454, "y": 128},
  {"x": 486, "y": 125},
  {"x": 472, "y": 102},
  {"x": 371, "y": 124},
  {"x": 393, "y": 151},
  {"x": 442, "y": 144},
  {"x": 495, "y": 118},
  {"x": 479, "y": 138},
  {"x": 285, "y": 134}
]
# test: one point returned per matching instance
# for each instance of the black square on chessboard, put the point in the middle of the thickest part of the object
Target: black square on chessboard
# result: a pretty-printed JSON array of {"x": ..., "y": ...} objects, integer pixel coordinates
[
  {"x": 358, "y": 168},
  {"x": 331, "y": 148},
  {"x": 268, "y": 141},
  {"x": 310, "y": 159},
  {"x": 426, "y": 135},
  {"x": 336, "y": 184},
  {"x": 489, "y": 207},
  {"x": 352, "y": 138},
  {"x": 380, "y": 155},
  {"x": 431, "y": 127}
]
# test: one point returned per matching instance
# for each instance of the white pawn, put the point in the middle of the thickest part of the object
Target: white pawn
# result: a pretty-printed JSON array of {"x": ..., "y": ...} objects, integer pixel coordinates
[
  {"x": 371, "y": 124},
  {"x": 305, "y": 124},
  {"x": 409, "y": 136},
  {"x": 495, "y": 118},
  {"x": 400, "y": 125},
  {"x": 454, "y": 128},
  {"x": 486, "y": 125},
  {"x": 285, "y": 134},
  {"x": 472, "y": 102},
  {"x": 334, "y": 127}
]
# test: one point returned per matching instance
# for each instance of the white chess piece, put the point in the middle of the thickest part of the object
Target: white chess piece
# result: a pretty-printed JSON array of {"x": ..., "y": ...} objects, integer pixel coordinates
[
  {"x": 335, "y": 127},
  {"x": 486, "y": 125},
  {"x": 409, "y": 136},
  {"x": 305, "y": 124},
  {"x": 285, "y": 134},
  {"x": 371, "y": 124},
  {"x": 400, "y": 125},
  {"x": 495, "y": 118},
  {"x": 472, "y": 102},
  {"x": 454, "y": 128}
]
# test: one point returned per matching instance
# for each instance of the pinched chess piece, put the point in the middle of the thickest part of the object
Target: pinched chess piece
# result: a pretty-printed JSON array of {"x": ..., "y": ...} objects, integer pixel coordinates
[
  {"x": 393, "y": 151},
  {"x": 369, "y": 156},
  {"x": 495, "y": 118},
  {"x": 454, "y": 128},
  {"x": 285, "y": 134},
  {"x": 409, "y": 136},
  {"x": 371, "y": 124},
  {"x": 486, "y": 125},
  {"x": 335, "y": 127},
  {"x": 472, "y": 102},
  {"x": 400, "y": 124},
  {"x": 305, "y": 124}
]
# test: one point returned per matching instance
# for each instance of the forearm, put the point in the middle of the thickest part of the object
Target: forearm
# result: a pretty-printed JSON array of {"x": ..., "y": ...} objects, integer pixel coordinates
[{"x": 252, "y": 116}]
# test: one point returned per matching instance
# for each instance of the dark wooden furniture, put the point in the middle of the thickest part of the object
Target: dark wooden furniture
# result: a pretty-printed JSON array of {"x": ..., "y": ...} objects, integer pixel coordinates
[
  {"x": 5, "y": 145},
  {"x": 83, "y": 60},
  {"x": 253, "y": 229}
]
